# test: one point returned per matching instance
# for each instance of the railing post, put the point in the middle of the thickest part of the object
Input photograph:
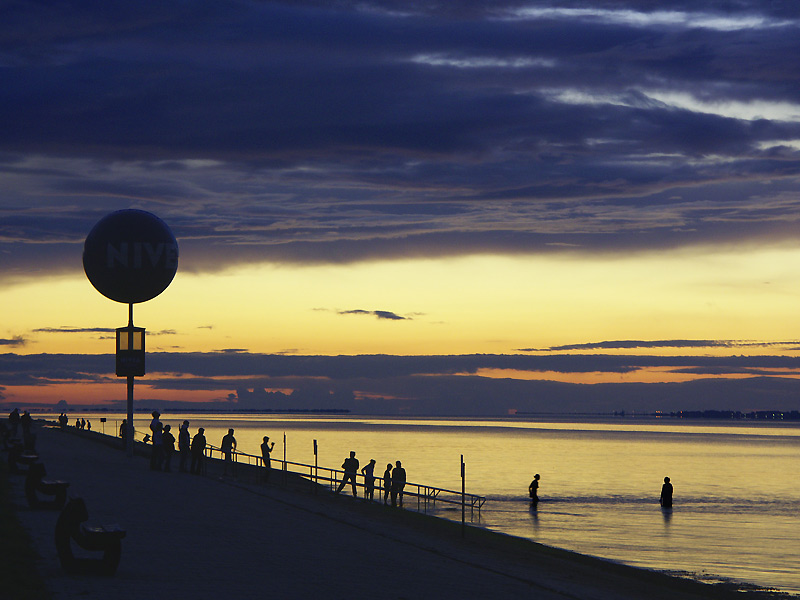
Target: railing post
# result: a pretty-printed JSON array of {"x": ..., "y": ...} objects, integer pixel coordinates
[
  {"x": 316, "y": 466},
  {"x": 463, "y": 496}
]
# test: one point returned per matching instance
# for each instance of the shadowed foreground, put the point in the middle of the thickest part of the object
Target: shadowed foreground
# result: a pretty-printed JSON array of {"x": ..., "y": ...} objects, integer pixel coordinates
[{"x": 205, "y": 537}]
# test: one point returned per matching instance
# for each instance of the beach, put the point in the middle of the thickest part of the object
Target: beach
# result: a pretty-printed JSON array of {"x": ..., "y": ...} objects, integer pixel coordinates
[{"x": 209, "y": 536}]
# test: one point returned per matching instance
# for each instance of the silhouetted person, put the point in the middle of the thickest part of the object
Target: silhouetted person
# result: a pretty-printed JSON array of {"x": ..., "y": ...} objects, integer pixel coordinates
[
  {"x": 369, "y": 479},
  {"x": 387, "y": 483},
  {"x": 83, "y": 423},
  {"x": 28, "y": 439},
  {"x": 157, "y": 455},
  {"x": 266, "y": 448},
  {"x": 184, "y": 445},
  {"x": 227, "y": 446},
  {"x": 350, "y": 466},
  {"x": 13, "y": 421},
  {"x": 198, "y": 451},
  {"x": 62, "y": 420},
  {"x": 88, "y": 425},
  {"x": 398, "y": 483},
  {"x": 168, "y": 442},
  {"x": 666, "y": 494},
  {"x": 123, "y": 432},
  {"x": 533, "y": 489}
]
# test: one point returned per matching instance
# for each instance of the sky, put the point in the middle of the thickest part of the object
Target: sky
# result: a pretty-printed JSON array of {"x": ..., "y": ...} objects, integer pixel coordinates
[{"x": 409, "y": 207}]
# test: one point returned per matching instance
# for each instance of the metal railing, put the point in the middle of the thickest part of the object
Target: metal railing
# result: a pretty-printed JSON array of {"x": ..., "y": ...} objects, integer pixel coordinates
[{"x": 425, "y": 494}]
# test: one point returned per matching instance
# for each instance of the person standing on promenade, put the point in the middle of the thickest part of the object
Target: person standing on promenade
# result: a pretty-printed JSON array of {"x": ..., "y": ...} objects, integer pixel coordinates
[
  {"x": 369, "y": 479},
  {"x": 533, "y": 490},
  {"x": 26, "y": 421},
  {"x": 398, "y": 483},
  {"x": 157, "y": 455},
  {"x": 198, "y": 451},
  {"x": 228, "y": 446},
  {"x": 266, "y": 448},
  {"x": 13, "y": 421},
  {"x": 184, "y": 445},
  {"x": 350, "y": 466},
  {"x": 168, "y": 441},
  {"x": 666, "y": 494},
  {"x": 387, "y": 483}
]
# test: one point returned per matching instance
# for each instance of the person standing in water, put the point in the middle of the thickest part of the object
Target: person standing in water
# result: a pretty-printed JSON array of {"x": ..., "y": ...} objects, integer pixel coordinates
[
  {"x": 666, "y": 494},
  {"x": 533, "y": 489}
]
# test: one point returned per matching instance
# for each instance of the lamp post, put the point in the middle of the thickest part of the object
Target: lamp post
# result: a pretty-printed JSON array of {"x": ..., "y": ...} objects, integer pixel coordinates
[{"x": 130, "y": 256}]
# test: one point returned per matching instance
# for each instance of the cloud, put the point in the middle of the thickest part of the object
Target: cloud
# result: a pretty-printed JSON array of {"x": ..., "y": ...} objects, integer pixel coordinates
[
  {"x": 356, "y": 131},
  {"x": 74, "y": 330},
  {"x": 380, "y": 314},
  {"x": 17, "y": 340},
  {"x": 641, "y": 344}
]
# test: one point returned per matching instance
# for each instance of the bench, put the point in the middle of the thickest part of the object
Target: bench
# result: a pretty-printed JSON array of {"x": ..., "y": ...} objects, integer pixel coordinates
[
  {"x": 17, "y": 456},
  {"x": 35, "y": 484},
  {"x": 105, "y": 539}
]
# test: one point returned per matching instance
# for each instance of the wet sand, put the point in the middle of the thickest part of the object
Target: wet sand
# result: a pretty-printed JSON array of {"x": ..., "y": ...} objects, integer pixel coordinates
[{"x": 205, "y": 537}]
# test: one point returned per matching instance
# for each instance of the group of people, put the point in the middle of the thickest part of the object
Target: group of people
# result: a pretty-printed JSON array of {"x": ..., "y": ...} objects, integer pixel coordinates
[
  {"x": 665, "y": 500},
  {"x": 16, "y": 422},
  {"x": 191, "y": 450},
  {"x": 394, "y": 480}
]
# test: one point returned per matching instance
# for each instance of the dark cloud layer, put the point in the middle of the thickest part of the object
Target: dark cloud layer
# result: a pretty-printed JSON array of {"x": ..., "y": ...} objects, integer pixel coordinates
[
  {"x": 429, "y": 384},
  {"x": 344, "y": 131}
]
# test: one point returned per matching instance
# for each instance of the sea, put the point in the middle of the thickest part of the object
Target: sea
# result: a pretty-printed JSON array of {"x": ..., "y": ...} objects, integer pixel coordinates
[{"x": 736, "y": 513}]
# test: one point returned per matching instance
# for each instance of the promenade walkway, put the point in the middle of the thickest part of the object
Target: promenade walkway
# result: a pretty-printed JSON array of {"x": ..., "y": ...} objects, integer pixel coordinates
[{"x": 207, "y": 537}]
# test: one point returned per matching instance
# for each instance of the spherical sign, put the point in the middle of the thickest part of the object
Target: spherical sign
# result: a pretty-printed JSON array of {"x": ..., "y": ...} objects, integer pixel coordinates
[{"x": 130, "y": 256}]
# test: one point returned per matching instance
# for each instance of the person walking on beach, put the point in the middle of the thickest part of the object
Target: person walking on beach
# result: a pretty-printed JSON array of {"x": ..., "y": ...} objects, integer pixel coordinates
[
  {"x": 198, "y": 451},
  {"x": 228, "y": 446},
  {"x": 350, "y": 466},
  {"x": 369, "y": 479},
  {"x": 666, "y": 494},
  {"x": 266, "y": 448},
  {"x": 157, "y": 455},
  {"x": 184, "y": 445},
  {"x": 533, "y": 489},
  {"x": 168, "y": 441},
  {"x": 387, "y": 483},
  {"x": 398, "y": 483}
]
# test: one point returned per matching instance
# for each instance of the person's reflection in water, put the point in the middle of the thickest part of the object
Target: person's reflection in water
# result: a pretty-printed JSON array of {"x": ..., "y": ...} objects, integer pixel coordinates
[{"x": 534, "y": 516}]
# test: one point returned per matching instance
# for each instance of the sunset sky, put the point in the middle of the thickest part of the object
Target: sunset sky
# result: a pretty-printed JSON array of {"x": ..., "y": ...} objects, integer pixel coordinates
[{"x": 523, "y": 196}]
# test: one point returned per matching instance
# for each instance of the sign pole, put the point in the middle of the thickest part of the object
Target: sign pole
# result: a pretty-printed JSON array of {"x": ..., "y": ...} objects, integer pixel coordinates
[
  {"x": 131, "y": 429},
  {"x": 316, "y": 466}
]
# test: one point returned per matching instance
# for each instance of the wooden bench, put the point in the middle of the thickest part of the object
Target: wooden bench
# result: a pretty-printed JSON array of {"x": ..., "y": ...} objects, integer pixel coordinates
[
  {"x": 105, "y": 539},
  {"x": 35, "y": 484}
]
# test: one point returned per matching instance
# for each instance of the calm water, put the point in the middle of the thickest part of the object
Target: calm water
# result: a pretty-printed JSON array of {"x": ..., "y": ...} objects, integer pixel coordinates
[{"x": 737, "y": 501}]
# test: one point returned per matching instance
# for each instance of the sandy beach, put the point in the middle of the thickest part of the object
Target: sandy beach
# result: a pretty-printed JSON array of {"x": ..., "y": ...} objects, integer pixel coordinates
[{"x": 205, "y": 537}]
